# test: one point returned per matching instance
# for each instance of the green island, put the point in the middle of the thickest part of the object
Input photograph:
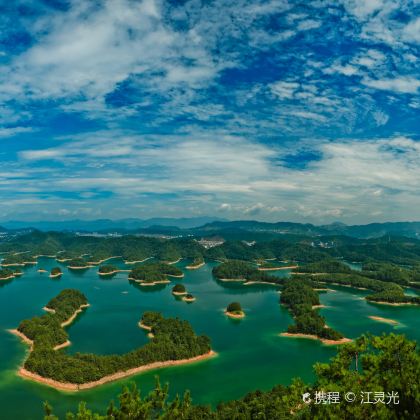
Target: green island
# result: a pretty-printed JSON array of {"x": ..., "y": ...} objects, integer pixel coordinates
[
  {"x": 179, "y": 290},
  {"x": 107, "y": 270},
  {"x": 234, "y": 310},
  {"x": 189, "y": 298},
  {"x": 55, "y": 272},
  {"x": 174, "y": 342},
  {"x": 6, "y": 274},
  {"x": 300, "y": 299},
  {"x": 370, "y": 362},
  {"x": 151, "y": 273},
  {"x": 78, "y": 264},
  {"x": 246, "y": 272},
  {"x": 197, "y": 263}
]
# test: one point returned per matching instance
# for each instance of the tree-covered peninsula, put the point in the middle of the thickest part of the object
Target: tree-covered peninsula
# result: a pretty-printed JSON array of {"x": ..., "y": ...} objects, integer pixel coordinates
[
  {"x": 300, "y": 298},
  {"x": 390, "y": 363},
  {"x": 174, "y": 342}
]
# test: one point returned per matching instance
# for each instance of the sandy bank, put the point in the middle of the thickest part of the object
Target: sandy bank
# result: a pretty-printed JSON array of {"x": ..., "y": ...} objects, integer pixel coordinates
[
  {"x": 318, "y": 306},
  {"x": 272, "y": 268},
  {"x": 176, "y": 276},
  {"x": 248, "y": 283},
  {"x": 144, "y": 326},
  {"x": 231, "y": 279},
  {"x": 41, "y": 270},
  {"x": 386, "y": 320},
  {"x": 393, "y": 303},
  {"x": 173, "y": 262},
  {"x": 138, "y": 261},
  {"x": 105, "y": 259},
  {"x": 109, "y": 273},
  {"x": 235, "y": 316},
  {"x": 195, "y": 267},
  {"x": 110, "y": 378},
  {"x": 315, "y": 337},
  {"x": 12, "y": 276},
  {"x": 52, "y": 276},
  {"x": 186, "y": 299},
  {"x": 72, "y": 267},
  {"x": 179, "y": 293},
  {"x": 73, "y": 317}
]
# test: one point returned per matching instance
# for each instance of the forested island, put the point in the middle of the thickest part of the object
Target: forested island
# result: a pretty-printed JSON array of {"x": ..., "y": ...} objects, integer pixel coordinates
[
  {"x": 107, "y": 270},
  {"x": 234, "y": 310},
  {"x": 197, "y": 263},
  {"x": 174, "y": 342},
  {"x": 154, "y": 273},
  {"x": 56, "y": 272},
  {"x": 78, "y": 264},
  {"x": 236, "y": 270},
  {"x": 300, "y": 298},
  {"x": 6, "y": 274},
  {"x": 385, "y": 362},
  {"x": 179, "y": 290}
]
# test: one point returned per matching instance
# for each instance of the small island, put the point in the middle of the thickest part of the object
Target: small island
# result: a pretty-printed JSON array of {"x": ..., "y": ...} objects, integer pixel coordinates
[
  {"x": 42, "y": 270},
  {"x": 189, "y": 298},
  {"x": 6, "y": 274},
  {"x": 234, "y": 310},
  {"x": 173, "y": 342},
  {"x": 78, "y": 264},
  {"x": 17, "y": 272},
  {"x": 242, "y": 271},
  {"x": 107, "y": 270},
  {"x": 197, "y": 263},
  {"x": 56, "y": 272},
  {"x": 179, "y": 290},
  {"x": 150, "y": 274}
]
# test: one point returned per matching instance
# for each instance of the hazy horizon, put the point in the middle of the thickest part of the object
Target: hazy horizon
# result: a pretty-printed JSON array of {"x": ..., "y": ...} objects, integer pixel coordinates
[{"x": 268, "y": 110}]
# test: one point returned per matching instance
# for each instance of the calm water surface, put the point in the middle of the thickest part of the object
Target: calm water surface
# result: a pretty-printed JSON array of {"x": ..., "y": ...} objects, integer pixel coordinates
[{"x": 251, "y": 354}]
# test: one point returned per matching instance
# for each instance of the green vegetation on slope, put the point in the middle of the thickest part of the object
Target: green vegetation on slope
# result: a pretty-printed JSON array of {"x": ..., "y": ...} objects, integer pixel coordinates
[
  {"x": 173, "y": 340},
  {"x": 299, "y": 297},
  {"x": 390, "y": 363}
]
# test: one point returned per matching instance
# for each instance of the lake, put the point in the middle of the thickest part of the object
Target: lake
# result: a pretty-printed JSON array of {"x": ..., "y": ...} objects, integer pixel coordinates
[{"x": 251, "y": 354}]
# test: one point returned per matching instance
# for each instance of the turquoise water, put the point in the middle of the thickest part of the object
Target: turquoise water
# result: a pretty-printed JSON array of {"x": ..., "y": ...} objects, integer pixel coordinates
[{"x": 251, "y": 354}]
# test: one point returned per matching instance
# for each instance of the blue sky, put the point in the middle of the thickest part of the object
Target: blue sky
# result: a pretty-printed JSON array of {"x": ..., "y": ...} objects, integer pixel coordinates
[{"x": 270, "y": 110}]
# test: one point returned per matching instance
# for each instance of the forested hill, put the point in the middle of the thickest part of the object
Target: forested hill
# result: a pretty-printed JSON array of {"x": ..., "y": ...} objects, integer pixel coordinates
[
  {"x": 67, "y": 246},
  {"x": 372, "y": 230},
  {"x": 203, "y": 226}
]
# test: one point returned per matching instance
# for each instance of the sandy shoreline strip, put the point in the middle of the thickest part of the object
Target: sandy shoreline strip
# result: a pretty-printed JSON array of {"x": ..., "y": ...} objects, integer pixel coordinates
[
  {"x": 73, "y": 317},
  {"x": 52, "y": 276},
  {"x": 195, "y": 267},
  {"x": 235, "y": 316},
  {"x": 12, "y": 276},
  {"x": 315, "y": 337},
  {"x": 136, "y": 262},
  {"x": 110, "y": 378},
  {"x": 385, "y": 320},
  {"x": 392, "y": 303}
]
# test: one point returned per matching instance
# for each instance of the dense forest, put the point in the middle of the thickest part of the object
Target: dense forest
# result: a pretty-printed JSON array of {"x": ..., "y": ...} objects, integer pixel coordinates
[
  {"x": 6, "y": 273},
  {"x": 173, "y": 339},
  {"x": 299, "y": 297},
  {"x": 389, "y": 363},
  {"x": 46, "y": 331},
  {"x": 107, "y": 269}
]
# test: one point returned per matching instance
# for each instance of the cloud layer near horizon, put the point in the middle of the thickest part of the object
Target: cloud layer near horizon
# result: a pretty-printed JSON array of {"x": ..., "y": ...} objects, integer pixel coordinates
[{"x": 271, "y": 110}]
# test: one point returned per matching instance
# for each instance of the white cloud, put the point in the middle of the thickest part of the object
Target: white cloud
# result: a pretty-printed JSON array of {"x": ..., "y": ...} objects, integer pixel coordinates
[
  {"x": 411, "y": 32},
  {"x": 9, "y": 132},
  {"x": 398, "y": 84}
]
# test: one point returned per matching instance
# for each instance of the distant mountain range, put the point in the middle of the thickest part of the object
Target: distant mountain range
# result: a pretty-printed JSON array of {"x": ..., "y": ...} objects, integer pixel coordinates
[
  {"x": 210, "y": 226},
  {"x": 108, "y": 225}
]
